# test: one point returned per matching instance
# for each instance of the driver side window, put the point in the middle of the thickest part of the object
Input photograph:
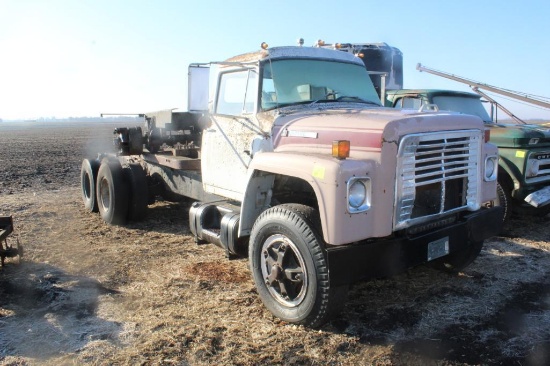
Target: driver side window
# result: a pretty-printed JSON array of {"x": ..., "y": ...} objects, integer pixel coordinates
[{"x": 237, "y": 93}]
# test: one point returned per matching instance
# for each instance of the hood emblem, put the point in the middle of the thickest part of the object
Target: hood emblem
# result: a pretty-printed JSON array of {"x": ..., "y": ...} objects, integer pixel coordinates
[{"x": 294, "y": 133}]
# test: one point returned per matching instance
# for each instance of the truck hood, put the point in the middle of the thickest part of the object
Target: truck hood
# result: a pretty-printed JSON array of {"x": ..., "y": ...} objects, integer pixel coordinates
[
  {"x": 365, "y": 128},
  {"x": 516, "y": 135}
]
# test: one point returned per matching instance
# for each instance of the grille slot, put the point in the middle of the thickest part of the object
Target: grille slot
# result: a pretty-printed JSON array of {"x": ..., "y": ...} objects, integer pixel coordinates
[{"x": 437, "y": 174}]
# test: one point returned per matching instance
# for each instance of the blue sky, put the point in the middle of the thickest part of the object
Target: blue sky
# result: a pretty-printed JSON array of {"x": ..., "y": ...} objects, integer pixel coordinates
[{"x": 81, "y": 58}]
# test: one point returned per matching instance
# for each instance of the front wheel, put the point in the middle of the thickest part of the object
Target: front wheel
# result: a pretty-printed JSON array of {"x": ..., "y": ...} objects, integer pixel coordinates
[{"x": 289, "y": 267}]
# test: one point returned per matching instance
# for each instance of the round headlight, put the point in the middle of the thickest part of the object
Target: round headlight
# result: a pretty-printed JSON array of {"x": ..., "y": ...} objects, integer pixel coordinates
[
  {"x": 489, "y": 168},
  {"x": 357, "y": 194}
]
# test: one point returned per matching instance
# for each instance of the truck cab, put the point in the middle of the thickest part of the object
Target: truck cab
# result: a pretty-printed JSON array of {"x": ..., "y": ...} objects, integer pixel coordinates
[{"x": 524, "y": 149}]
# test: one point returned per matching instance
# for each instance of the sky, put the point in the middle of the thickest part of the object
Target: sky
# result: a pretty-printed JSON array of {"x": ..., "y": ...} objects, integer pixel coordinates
[{"x": 75, "y": 58}]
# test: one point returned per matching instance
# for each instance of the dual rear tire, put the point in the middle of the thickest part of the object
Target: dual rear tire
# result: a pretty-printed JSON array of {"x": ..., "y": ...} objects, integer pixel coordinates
[
  {"x": 88, "y": 178},
  {"x": 118, "y": 193}
]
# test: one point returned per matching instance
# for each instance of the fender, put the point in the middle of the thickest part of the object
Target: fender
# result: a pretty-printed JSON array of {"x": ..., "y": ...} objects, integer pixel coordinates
[
  {"x": 511, "y": 170},
  {"x": 326, "y": 175}
]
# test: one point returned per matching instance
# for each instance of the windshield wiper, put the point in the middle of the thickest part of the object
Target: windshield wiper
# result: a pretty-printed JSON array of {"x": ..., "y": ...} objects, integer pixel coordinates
[
  {"x": 354, "y": 98},
  {"x": 344, "y": 98}
]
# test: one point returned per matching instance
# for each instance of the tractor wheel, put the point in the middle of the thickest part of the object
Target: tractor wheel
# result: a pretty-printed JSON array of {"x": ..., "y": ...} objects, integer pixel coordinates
[
  {"x": 88, "y": 178},
  {"x": 289, "y": 267},
  {"x": 112, "y": 193}
]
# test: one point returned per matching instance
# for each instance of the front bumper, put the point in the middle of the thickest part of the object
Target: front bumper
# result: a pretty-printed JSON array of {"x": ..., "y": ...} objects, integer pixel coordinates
[
  {"x": 539, "y": 198},
  {"x": 385, "y": 257}
]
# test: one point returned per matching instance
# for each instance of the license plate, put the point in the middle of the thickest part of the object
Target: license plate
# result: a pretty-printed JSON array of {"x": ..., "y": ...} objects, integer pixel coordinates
[{"x": 438, "y": 248}]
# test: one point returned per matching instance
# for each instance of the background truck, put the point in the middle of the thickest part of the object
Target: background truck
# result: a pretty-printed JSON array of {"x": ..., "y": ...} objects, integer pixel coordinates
[
  {"x": 524, "y": 149},
  {"x": 292, "y": 161},
  {"x": 383, "y": 62}
]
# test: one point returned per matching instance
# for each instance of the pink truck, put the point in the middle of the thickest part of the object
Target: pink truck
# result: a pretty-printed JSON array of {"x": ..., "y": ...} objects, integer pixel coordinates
[{"x": 291, "y": 160}]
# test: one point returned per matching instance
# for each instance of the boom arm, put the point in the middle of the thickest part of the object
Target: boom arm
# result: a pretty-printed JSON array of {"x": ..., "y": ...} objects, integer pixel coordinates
[
  {"x": 498, "y": 105},
  {"x": 472, "y": 83}
]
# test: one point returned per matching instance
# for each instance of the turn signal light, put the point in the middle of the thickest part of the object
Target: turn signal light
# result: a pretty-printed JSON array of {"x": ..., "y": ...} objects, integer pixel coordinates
[
  {"x": 487, "y": 135},
  {"x": 340, "y": 149}
]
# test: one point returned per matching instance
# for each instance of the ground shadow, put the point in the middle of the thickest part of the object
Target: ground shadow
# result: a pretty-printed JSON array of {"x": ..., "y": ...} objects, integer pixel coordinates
[{"x": 46, "y": 312}]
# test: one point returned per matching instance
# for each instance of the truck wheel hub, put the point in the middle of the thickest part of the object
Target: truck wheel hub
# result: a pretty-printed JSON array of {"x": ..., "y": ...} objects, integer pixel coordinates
[{"x": 283, "y": 269}]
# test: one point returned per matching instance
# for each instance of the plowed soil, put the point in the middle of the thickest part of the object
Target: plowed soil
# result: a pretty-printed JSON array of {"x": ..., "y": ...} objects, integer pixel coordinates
[{"x": 89, "y": 293}]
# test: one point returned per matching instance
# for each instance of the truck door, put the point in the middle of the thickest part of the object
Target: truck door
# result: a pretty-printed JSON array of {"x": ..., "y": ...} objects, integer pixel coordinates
[{"x": 226, "y": 145}]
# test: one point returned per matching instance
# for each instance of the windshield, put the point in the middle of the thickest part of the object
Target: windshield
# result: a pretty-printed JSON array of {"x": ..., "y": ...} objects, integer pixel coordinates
[
  {"x": 463, "y": 105},
  {"x": 287, "y": 82}
]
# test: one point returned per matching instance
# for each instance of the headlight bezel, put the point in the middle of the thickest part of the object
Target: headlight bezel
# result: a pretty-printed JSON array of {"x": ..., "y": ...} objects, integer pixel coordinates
[
  {"x": 532, "y": 168},
  {"x": 358, "y": 194},
  {"x": 492, "y": 170}
]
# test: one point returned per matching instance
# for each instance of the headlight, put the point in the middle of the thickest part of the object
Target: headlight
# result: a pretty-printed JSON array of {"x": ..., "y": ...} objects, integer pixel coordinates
[
  {"x": 491, "y": 168},
  {"x": 359, "y": 191},
  {"x": 532, "y": 168}
]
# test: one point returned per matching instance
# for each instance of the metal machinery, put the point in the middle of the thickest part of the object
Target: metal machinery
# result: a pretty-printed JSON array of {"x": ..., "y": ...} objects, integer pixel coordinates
[{"x": 8, "y": 250}]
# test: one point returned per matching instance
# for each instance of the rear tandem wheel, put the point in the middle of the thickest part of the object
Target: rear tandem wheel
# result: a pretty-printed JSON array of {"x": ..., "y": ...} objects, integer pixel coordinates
[
  {"x": 112, "y": 192},
  {"x": 88, "y": 178}
]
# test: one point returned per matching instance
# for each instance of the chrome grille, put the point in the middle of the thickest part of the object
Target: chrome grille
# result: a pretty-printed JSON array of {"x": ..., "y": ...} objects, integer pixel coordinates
[
  {"x": 543, "y": 171},
  {"x": 437, "y": 174}
]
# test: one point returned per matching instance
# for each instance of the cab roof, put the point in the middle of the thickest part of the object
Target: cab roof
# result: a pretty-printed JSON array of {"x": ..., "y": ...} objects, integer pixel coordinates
[{"x": 296, "y": 52}]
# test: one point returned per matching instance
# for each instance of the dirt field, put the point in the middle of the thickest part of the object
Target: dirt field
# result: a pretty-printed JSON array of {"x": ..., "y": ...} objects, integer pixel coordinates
[{"x": 89, "y": 293}]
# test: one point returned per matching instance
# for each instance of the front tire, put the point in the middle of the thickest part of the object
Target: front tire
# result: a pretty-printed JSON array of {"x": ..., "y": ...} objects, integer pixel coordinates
[
  {"x": 112, "y": 193},
  {"x": 289, "y": 266}
]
